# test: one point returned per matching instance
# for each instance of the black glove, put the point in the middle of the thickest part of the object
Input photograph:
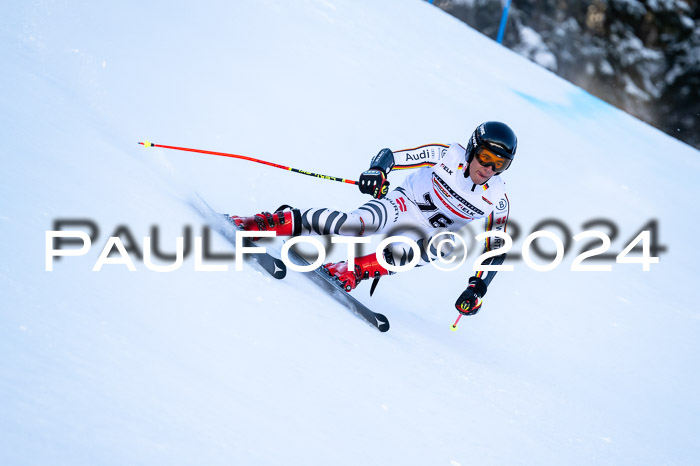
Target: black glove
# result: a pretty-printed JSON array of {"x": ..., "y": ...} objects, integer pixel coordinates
[
  {"x": 374, "y": 182},
  {"x": 469, "y": 302}
]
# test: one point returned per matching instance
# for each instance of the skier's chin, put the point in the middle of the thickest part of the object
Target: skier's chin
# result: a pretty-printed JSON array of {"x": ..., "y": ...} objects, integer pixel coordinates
[{"x": 482, "y": 179}]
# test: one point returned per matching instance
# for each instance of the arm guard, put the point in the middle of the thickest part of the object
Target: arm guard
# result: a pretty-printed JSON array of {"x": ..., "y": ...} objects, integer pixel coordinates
[{"x": 383, "y": 161}]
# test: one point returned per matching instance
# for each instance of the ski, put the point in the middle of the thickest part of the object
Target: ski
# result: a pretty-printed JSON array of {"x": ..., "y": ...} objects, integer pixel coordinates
[
  {"x": 335, "y": 289},
  {"x": 222, "y": 224},
  {"x": 269, "y": 263}
]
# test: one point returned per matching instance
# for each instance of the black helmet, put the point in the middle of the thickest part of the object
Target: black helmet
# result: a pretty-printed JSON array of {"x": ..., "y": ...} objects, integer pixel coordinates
[{"x": 496, "y": 137}]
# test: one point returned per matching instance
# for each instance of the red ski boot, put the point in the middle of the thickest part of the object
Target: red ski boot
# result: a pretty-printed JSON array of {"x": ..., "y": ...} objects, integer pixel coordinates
[
  {"x": 284, "y": 223},
  {"x": 365, "y": 267}
]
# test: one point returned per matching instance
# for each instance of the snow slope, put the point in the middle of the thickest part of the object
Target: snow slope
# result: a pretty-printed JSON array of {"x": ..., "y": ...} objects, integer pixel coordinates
[{"x": 119, "y": 367}]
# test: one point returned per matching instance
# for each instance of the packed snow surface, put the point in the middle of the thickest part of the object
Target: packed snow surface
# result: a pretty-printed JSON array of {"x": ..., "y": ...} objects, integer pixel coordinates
[{"x": 186, "y": 367}]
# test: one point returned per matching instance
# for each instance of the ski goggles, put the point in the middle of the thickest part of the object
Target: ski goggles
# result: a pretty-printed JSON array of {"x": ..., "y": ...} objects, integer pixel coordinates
[{"x": 488, "y": 158}]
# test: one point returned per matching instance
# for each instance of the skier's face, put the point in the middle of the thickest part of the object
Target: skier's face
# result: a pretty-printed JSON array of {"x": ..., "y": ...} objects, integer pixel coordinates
[{"x": 479, "y": 173}]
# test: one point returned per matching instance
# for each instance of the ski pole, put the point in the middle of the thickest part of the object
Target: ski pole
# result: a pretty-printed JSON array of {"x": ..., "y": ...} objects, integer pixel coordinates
[
  {"x": 454, "y": 326},
  {"x": 251, "y": 159}
]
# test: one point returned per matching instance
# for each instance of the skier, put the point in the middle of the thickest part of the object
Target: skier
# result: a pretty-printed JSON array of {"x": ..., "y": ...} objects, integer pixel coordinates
[{"x": 455, "y": 186}]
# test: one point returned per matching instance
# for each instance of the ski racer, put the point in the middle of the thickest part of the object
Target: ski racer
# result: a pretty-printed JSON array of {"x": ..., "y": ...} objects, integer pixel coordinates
[{"x": 454, "y": 186}]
